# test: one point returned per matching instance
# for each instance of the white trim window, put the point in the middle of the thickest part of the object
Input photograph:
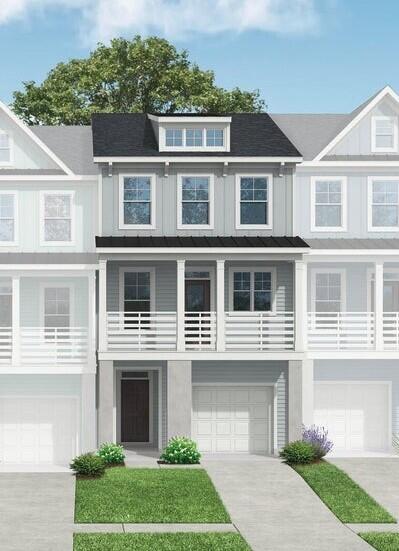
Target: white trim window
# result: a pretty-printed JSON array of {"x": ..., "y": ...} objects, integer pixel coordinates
[
  {"x": 214, "y": 137},
  {"x": 137, "y": 289},
  {"x": 57, "y": 217},
  {"x": 195, "y": 201},
  {"x": 174, "y": 137},
  {"x": 191, "y": 137},
  {"x": 5, "y": 149},
  {"x": 254, "y": 205},
  {"x": 136, "y": 201},
  {"x": 384, "y": 134},
  {"x": 328, "y": 203},
  {"x": 383, "y": 204},
  {"x": 8, "y": 218},
  {"x": 328, "y": 291},
  {"x": 252, "y": 290},
  {"x": 57, "y": 307}
]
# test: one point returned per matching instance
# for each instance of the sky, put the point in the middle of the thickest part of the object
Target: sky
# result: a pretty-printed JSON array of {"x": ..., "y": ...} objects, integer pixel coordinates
[{"x": 303, "y": 55}]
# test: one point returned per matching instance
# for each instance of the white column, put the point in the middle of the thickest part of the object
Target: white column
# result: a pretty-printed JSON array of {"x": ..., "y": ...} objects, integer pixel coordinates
[
  {"x": 300, "y": 397},
  {"x": 180, "y": 310},
  {"x": 102, "y": 306},
  {"x": 89, "y": 412},
  {"x": 179, "y": 401},
  {"x": 379, "y": 304},
  {"x": 16, "y": 321},
  {"x": 220, "y": 314},
  {"x": 301, "y": 305},
  {"x": 307, "y": 392},
  {"x": 91, "y": 334}
]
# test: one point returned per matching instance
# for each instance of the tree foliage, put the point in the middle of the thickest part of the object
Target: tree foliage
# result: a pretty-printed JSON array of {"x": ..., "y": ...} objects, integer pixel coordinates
[{"x": 138, "y": 75}]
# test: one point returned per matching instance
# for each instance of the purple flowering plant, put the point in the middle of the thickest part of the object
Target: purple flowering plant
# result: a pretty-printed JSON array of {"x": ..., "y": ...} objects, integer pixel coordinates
[{"x": 318, "y": 438}]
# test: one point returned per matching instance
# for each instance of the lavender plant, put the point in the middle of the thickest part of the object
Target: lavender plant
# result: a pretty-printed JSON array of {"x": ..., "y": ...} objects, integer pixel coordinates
[{"x": 318, "y": 438}]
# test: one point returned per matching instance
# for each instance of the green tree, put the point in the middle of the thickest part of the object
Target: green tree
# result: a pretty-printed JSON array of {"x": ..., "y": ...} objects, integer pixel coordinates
[{"x": 139, "y": 75}]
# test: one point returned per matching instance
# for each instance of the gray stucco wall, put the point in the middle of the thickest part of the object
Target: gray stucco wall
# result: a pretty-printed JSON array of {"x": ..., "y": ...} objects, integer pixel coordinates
[
  {"x": 224, "y": 197},
  {"x": 228, "y": 372}
]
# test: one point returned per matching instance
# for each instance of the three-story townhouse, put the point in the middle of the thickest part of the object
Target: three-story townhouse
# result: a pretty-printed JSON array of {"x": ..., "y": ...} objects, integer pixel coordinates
[
  {"x": 347, "y": 209},
  {"x": 48, "y": 187},
  {"x": 200, "y": 282}
]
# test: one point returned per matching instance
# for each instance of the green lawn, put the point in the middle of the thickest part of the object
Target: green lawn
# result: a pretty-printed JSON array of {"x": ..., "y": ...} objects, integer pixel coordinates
[
  {"x": 149, "y": 495},
  {"x": 160, "y": 542},
  {"x": 382, "y": 541},
  {"x": 342, "y": 495}
]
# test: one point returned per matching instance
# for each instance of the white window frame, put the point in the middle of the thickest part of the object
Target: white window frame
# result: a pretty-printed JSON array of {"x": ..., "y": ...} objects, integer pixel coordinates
[
  {"x": 317, "y": 271},
  {"x": 211, "y": 201},
  {"x": 57, "y": 285},
  {"x": 268, "y": 226},
  {"x": 344, "y": 203},
  {"x": 14, "y": 193},
  {"x": 203, "y": 127},
  {"x": 71, "y": 195},
  {"x": 374, "y": 147},
  {"x": 141, "y": 269},
  {"x": 251, "y": 269},
  {"x": 370, "y": 226},
  {"x": 11, "y": 142},
  {"x": 122, "y": 225}
]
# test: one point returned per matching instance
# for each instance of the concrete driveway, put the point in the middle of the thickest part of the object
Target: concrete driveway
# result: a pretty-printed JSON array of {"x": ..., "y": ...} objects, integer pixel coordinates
[
  {"x": 36, "y": 511},
  {"x": 274, "y": 509},
  {"x": 379, "y": 477}
]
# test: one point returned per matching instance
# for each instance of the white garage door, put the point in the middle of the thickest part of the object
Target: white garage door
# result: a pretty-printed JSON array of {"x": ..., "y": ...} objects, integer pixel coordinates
[
  {"x": 355, "y": 414},
  {"x": 38, "y": 430},
  {"x": 233, "y": 418}
]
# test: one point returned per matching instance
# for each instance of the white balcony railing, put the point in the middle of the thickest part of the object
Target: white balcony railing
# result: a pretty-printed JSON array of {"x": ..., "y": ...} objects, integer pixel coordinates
[
  {"x": 259, "y": 331},
  {"x": 5, "y": 344},
  {"x": 53, "y": 345},
  {"x": 200, "y": 330},
  {"x": 141, "y": 331},
  {"x": 341, "y": 330},
  {"x": 390, "y": 330}
]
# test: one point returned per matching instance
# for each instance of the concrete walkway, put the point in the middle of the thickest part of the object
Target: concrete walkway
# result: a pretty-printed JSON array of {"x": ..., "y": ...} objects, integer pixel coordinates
[
  {"x": 36, "y": 511},
  {"x": 379, "y": 477},
  {"x": 273, "y": 508}
]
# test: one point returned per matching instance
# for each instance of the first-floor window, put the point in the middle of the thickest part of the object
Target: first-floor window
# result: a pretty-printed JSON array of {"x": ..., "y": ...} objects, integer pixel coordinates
[
  {"x": 253, "y": 201},
  {"x": 57, "y": 217},
  {"x": 7, "y": 217},
  {"x": 137, "y": 201},
  {"x": 328, "y": 292},
  {"x": 195, "y": 205},
  {"x": 328, "y": 204},
  {"x": 57, "y": 307},
  {"x": 384, "y": 197},
  {"x": 137, "y": 291},
  {"x": 252, "y": 291}
]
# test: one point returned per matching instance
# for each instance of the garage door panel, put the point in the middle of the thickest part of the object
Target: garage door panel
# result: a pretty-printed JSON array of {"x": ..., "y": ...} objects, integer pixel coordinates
[{"x": 239, "y": 419}]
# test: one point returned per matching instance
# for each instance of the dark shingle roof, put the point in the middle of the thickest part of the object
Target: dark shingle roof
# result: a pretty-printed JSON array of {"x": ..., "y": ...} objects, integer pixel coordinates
[
  {"x": 132, "y": 134},
  {"x": 201, "y": 241}
]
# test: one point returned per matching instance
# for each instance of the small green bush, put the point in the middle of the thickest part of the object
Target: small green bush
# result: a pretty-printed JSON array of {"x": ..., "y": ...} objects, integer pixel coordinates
[
  {"x": 181, "y": 450},
  {"x": 298, "y": 453},
  {"x": 88, "y": 464},
  {"x": 112, "y": 454}
]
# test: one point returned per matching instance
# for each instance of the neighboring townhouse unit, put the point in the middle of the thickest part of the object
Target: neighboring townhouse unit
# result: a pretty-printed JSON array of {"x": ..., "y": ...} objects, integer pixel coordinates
[
  {"x": 200, "y": 281},
  {"x": 48, "y": 187},
  {"x": 347, "y": 209}
]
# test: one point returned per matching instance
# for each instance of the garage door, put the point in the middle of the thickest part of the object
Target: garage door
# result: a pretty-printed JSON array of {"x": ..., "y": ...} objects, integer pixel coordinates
[
  {"x": 233, "y": 419},
  {"x": 355, "y": 414},
  {"x": 38, "y": 430}
]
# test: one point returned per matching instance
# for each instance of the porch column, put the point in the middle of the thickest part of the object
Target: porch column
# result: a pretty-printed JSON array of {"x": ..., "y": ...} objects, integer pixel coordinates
[
  {"x": 16, "y": 321},
  {"x": 106, "y": 402},
  {"x": 300, "y": 397},
  {"x": 220, "y": 314},
  {"x": 89, "y": 413},
  {"x": 179, "y": 398},
  {"x": 92, "y": 318},
  {"x": 301, "y": 305},
  {"x": 102, "y": 305},
  {"x": 379, "y": 304},
  {"x": 180, "y": 308}
]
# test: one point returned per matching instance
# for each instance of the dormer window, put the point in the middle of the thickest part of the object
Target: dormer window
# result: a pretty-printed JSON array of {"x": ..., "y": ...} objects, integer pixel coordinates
[
  {"x": 384, "y": 134},
  {"x": 194, "y": 137},
  {"x": 5, "y": 149},
  {"x": 214, "y": 137},
  {"x": 174, "y": 137}
]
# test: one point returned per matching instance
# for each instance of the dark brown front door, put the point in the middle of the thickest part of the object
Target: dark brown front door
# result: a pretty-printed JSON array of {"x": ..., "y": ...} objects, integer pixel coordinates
[{"x": 135, "y": 411}]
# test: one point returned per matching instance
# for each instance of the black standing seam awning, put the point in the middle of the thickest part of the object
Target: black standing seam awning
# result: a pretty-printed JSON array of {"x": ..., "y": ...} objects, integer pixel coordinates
[{"x": 201, "y": 242}]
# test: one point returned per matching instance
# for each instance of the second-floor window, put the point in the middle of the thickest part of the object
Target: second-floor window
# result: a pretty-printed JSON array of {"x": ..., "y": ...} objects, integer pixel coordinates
[
  {"x": 384, "y": 134},
  {"x": 383, "y": 204},
  {"x": 254, "y": 202},
  {"x": 8, "y": 218},
  {"x": 328, "y": 204},
  {"x": 57, "y": 307},
  {"x": 57, "y": 223},
  {"x": 328, "y": 291},
  {"x": 5, "y": 148},
  {"x": 195, "y": 201},
  {"x": 136, "y": 290},
  {"x": 136, "y": 201},
  {"x": 252, "y": 290}
]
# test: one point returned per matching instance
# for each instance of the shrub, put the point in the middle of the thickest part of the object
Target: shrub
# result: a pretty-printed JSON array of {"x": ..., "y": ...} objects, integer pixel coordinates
[
  {"x": 112, "y": 454},
  {"x": 298, "y": 453},
  {"x": 181, "y": 450},
  {"x": 88, "y": 464},
  {"x": 318, "y": 438}
]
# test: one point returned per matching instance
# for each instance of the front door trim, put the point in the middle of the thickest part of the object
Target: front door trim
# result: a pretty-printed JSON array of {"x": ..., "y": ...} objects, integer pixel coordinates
[{"x": 203, "y": 268}]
